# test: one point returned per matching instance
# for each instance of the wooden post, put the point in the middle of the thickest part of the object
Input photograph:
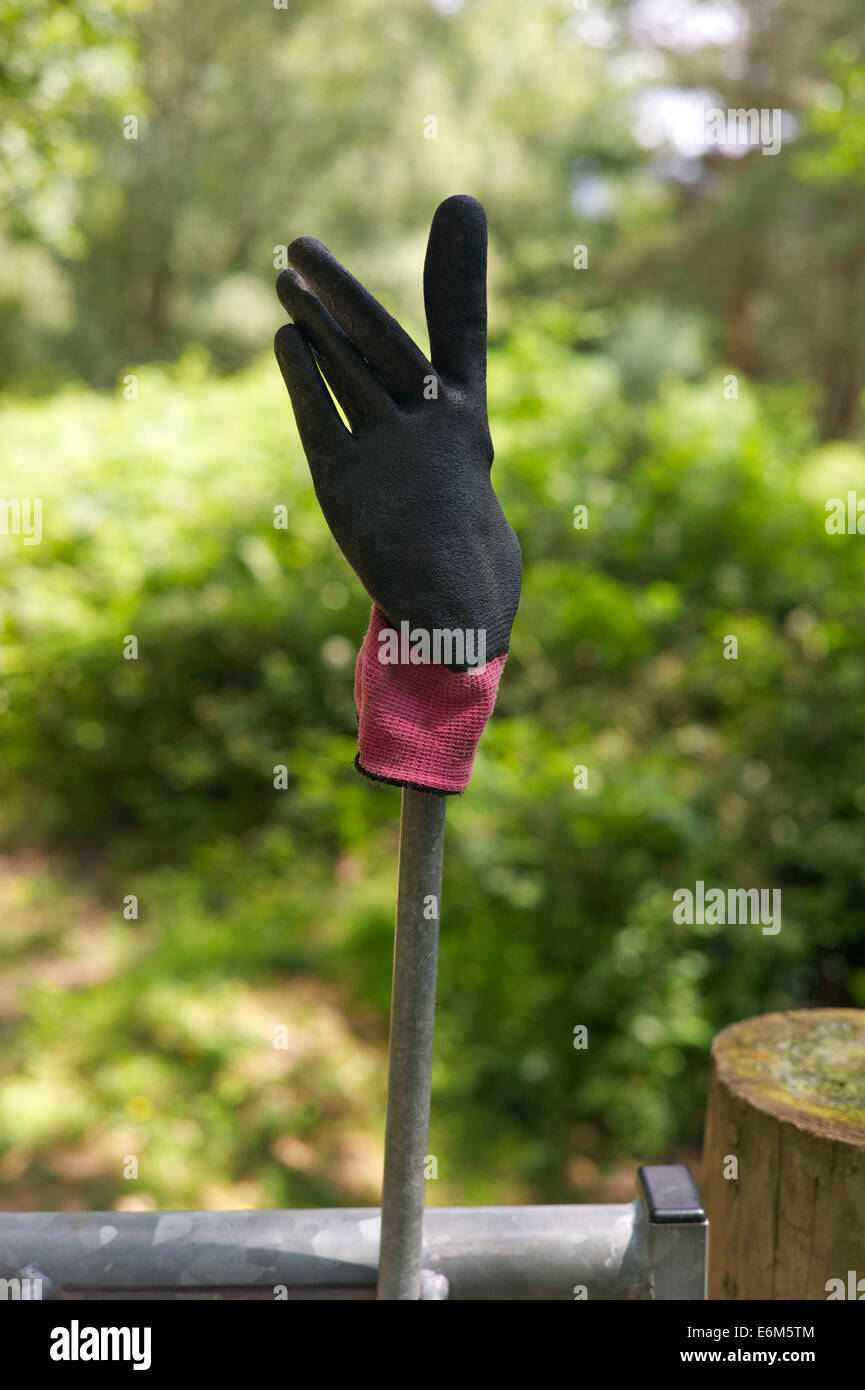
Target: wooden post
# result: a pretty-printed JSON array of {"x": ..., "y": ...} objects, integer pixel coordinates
[{"x": 783, "y": 1177}]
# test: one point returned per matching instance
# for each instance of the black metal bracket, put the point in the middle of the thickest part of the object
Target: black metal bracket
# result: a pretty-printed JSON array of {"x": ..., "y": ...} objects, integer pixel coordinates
[{"x": 670, "y": 1194}]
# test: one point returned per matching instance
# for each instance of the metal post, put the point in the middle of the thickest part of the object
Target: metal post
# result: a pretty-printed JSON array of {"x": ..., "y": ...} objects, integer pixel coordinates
[
  {"x": 678, "y": 1232},
  {"x": 412, "y": 1025}
]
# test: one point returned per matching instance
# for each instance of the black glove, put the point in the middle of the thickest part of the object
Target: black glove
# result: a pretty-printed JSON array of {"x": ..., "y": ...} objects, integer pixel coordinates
[{"x": 407, "y": 494}]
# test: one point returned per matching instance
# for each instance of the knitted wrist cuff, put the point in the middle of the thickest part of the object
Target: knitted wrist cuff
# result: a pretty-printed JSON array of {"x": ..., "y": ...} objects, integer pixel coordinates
[{"x": 419, "y": 725}]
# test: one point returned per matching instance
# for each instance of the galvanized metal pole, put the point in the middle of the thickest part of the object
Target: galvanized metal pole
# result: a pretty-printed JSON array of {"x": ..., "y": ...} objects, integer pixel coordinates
[{"x": 412, "y": 1025}]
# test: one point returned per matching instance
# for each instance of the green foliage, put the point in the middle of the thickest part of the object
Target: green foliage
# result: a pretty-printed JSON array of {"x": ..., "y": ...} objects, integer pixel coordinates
[
  {"x": 259, "y": 123},
  {"x": 261, "y": 908},
  {"x": 705, "y": 518}
]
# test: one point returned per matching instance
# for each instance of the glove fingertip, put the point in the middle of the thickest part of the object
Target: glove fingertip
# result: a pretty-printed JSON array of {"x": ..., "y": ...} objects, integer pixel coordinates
[
  {"x": 306, "y": 246},
  {"x": 284, "y": 339},
  {"x": 286, "y": 281},
  {"x": 290, "y": 347},
  {"x": 460, "y": 219},
  {"x": 465, "y": 204}
]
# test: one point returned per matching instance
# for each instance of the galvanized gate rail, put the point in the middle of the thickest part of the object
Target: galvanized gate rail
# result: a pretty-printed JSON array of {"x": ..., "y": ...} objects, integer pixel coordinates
[{"x": 652, "y": 1248}]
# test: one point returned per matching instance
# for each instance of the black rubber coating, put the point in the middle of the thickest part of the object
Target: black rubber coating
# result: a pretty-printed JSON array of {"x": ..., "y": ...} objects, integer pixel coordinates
[{"x": 406, "y": 490}]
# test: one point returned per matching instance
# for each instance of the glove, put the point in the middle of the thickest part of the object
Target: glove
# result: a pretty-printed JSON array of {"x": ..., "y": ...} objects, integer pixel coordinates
[{"x": 407, "y": 495}]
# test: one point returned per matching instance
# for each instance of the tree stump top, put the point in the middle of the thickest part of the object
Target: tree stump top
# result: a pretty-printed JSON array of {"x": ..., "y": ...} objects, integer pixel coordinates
[{"x": 806, "y": 1067}]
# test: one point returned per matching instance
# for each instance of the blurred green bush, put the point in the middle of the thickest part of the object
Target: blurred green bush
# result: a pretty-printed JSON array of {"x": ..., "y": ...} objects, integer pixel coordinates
[{"x": 705, "y": 518}]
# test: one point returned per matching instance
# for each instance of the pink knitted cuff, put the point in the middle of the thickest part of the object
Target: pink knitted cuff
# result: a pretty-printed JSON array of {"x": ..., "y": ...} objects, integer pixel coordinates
[{"x": 419, "y": 726}]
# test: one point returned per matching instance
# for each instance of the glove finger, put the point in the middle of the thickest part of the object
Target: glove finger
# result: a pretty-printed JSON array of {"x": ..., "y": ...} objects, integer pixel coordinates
[
  {"x": 321, "y": 430},
  {"x": 393, "y": 355},
  {"x": 455, "y": 290},
  {"x": 358, "y": 390}
]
